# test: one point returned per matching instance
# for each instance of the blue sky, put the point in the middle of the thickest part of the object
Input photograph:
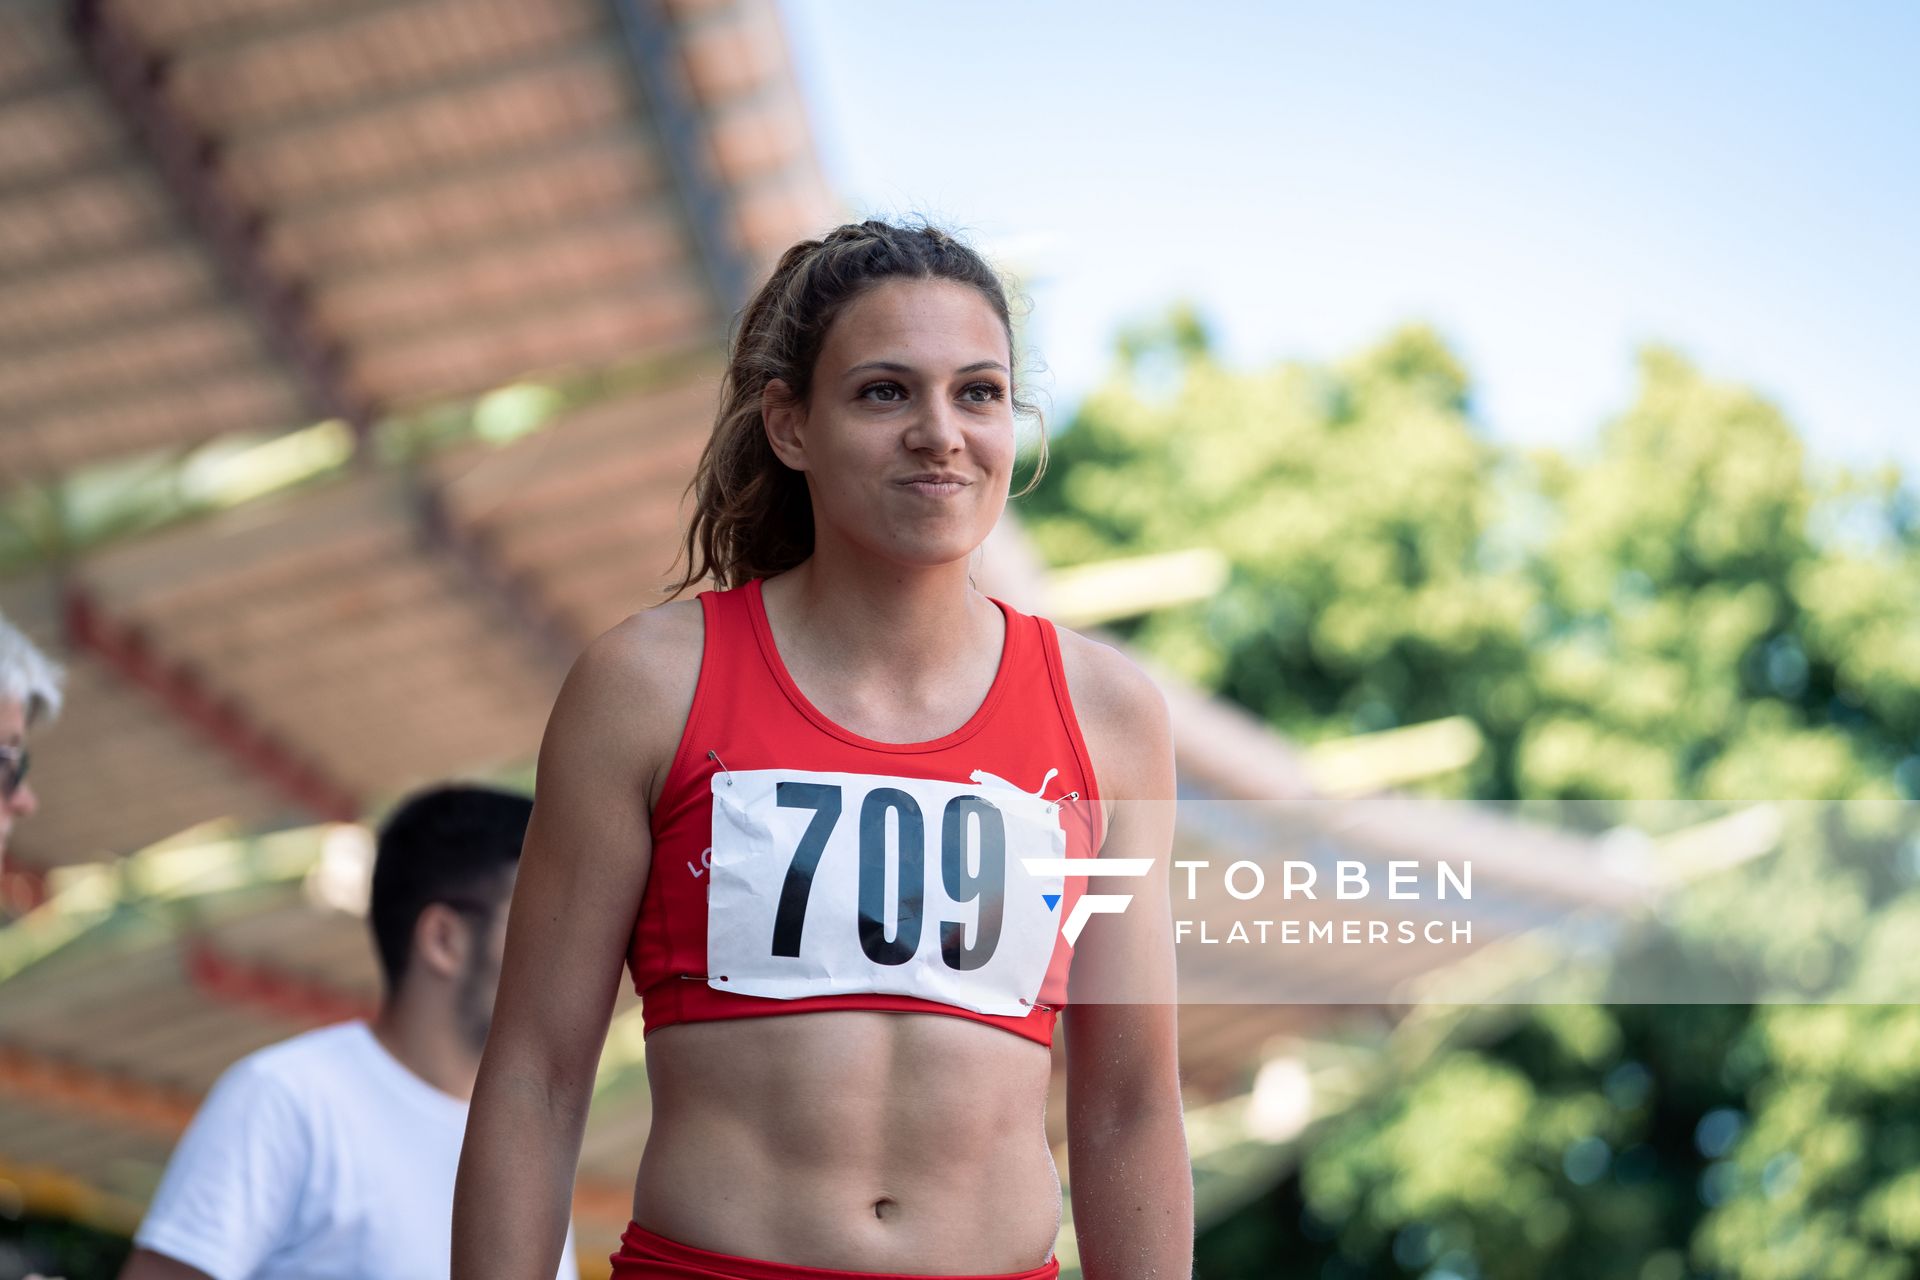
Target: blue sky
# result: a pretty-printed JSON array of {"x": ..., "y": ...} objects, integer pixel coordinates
[{"x": 1548, "y": 184}]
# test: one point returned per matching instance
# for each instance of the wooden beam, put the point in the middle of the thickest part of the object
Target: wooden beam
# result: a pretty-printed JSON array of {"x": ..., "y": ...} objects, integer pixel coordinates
[
  {"x": 128, "y": 652},
  {"x": 655, "y": 50},
  {"x": 250, "y": 984},
  {"x": 1089, "y": 594},
  {"x": 98, "y": 1095},
  {"x": 134, "y": 79}
]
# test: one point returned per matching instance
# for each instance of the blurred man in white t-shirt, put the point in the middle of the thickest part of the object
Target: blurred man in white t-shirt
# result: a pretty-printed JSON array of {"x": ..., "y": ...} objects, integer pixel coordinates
[{"x": 333, "y": 1154}]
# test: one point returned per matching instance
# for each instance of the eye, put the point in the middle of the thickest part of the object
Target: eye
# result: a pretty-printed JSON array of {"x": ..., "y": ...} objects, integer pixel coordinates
[
  {"x": 992, "y": 389},
  {"x": 877, "y": 386}
]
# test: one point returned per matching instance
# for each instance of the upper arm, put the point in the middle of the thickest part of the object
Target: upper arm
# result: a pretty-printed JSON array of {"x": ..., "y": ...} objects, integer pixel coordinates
[
  {"x": 232, "y": 1186},
  {"x": 1120, "y": 1017},
  {"x": 588, "y": 848}
]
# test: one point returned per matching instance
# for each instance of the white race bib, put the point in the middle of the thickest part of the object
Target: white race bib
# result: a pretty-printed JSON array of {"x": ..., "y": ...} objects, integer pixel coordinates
[{"x": 826, "y": 883}]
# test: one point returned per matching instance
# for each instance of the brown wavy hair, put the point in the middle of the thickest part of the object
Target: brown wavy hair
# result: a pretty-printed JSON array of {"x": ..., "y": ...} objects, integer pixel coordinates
[{"x": 752, "y": 517}]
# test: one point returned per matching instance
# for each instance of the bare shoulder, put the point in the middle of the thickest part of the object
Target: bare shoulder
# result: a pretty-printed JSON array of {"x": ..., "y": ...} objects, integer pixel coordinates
[
  {"x": 1106, "y": 684},
  {"x": 1123, "y": 716},
  {"x": 633, "y": 686},
  {"x": 652, "y": 653},
  {"x": 651, "y": 643}
]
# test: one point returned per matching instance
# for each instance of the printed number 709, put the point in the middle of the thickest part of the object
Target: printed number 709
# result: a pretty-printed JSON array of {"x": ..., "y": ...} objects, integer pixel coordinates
[{"x": 988, "y": 884}]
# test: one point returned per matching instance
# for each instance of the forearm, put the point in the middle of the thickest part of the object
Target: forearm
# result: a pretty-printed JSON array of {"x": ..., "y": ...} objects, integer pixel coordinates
[
  {"x": 1131, "y": 1181},
  {"x": 514, "y": 1195}
]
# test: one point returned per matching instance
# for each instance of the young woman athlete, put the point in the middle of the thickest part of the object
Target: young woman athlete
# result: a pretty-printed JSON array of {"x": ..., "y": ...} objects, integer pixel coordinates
[{"x": 846, "y": 786}]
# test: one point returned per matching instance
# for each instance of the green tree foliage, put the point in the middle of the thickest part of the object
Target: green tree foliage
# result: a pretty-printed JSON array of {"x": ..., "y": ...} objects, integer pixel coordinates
[
  {"x": 1689, "y": 610},
  {"x": 1356, "y": 507}
]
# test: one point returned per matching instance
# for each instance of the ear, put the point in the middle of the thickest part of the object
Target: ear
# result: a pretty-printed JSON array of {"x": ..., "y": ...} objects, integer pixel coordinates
[
  {"x": 441, "y": 940},
  {"x": 785, "y": 416}
]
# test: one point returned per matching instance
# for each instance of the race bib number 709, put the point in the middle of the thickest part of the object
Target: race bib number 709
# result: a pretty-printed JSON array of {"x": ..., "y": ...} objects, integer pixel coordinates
[{"x": 826, "y": 883}]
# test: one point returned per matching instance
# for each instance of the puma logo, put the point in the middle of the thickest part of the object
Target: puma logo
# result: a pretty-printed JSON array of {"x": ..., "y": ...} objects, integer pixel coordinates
[{"x": 985, "y": 779}]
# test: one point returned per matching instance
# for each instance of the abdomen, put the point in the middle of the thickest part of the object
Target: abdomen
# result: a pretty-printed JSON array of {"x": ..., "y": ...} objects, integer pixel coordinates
[{"x": 864, "y": 1141}]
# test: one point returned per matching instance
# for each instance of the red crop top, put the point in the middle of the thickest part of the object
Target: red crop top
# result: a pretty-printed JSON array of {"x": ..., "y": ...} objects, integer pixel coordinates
[{"x": 798, "y": 866}]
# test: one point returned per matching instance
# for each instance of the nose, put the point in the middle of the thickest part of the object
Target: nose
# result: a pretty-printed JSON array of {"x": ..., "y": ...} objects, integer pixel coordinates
[
  {"x": 936, "y": 429},
  {"x": 23, "y": 802}
]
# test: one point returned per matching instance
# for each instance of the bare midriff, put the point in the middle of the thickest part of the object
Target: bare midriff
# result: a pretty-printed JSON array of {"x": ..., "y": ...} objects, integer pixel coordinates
[{"x": 852, "y": 1139}]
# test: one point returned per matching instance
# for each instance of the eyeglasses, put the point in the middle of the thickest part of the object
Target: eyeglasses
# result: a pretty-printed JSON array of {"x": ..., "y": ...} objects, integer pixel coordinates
[{"x": 13, "y": 771}]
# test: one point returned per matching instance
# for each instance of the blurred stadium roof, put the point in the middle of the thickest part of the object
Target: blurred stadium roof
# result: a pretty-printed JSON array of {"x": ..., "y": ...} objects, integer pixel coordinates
[
  {"x": 222, "y": 216},
  {"x": 225, "y": 218}
]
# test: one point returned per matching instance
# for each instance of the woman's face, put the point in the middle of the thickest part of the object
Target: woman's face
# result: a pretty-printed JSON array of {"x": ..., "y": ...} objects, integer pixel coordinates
[{"x": 912, "y": 382}]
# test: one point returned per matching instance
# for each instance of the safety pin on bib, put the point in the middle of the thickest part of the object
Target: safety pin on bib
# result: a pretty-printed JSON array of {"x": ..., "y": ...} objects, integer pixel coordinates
[
  {"x": 715, "y": 757},
  {"x": 1063, "y": 801}
]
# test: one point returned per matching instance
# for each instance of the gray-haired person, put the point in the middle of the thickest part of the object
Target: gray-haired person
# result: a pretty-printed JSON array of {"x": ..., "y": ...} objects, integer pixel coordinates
[{"x": 29, "y": 694}]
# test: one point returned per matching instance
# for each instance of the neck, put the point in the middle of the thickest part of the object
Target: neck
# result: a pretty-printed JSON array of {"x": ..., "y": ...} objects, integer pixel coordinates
[
  {"x": 901, "y": 626},
  {"x": 422, "y": 1037}
]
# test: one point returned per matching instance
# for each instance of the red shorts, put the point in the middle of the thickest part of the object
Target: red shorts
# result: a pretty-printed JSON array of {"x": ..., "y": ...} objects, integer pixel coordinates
[{"x": 645, "y": 1255}]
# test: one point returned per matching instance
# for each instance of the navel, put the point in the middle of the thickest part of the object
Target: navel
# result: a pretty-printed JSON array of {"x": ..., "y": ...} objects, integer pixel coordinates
[{"x": 885, "y": 1207}]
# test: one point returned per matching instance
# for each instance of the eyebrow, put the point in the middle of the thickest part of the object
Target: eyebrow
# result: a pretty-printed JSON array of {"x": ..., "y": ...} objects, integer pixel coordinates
[{"x": 894, "y": 366}]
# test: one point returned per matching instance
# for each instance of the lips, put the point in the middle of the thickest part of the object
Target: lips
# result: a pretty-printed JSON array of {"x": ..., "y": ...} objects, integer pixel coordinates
[{"x": 935, "y": 488}]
